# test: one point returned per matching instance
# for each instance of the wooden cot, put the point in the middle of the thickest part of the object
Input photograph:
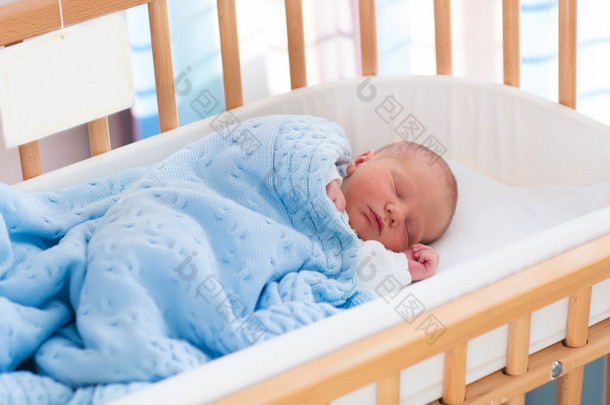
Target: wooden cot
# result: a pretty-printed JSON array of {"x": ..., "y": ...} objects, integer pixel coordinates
[{"x": 379, "y": 358}]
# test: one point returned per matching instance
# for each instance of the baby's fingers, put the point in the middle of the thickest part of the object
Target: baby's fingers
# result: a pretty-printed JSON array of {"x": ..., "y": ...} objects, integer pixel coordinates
[
  {"x": 430, "y": 261},
  {"x": 426, "y": 256},
  {"x": 418, "y": 247}
]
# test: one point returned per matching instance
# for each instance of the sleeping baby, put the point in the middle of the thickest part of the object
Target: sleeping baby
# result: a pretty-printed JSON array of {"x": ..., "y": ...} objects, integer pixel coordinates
[
  {"x": 157, "y": 269},
  {"x": 397, "y": 200}
]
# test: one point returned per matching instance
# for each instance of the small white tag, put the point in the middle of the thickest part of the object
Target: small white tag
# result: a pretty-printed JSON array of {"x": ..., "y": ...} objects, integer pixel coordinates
[{"x": 66, "y": 78}]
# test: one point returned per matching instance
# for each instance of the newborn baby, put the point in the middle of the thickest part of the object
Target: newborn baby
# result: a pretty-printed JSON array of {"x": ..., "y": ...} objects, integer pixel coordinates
[{"x": 402, "y": 196}]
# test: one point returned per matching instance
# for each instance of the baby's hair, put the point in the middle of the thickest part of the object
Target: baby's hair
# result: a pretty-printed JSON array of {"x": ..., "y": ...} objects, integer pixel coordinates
[{"x": 403, "y": 149}]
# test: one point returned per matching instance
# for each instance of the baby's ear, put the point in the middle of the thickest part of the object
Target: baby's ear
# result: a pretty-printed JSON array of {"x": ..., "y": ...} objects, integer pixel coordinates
[{"x": 361, "y": 158}]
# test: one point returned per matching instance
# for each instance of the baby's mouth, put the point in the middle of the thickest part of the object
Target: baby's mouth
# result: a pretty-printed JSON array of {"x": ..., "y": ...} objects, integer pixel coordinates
[{"x": 377, "y": 222}]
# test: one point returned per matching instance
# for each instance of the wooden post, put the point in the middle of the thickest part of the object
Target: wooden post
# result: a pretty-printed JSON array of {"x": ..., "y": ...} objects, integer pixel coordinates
[
  {"x": 99, "y": 136},
  {"x": 229, "y": 49},
  {"x": 569, "y": 386},
  {"x": 368, "y": 37},
  {"x": 510, "y": 39},
  {"x": 388, "y": 390},
  {"x": 517, "y": 351},
  {"x": 567, "y": 53},
  {"x": 454, "y": 375},
  {"x": 442, "y": 31},
  {"x": 30, "y": 160},
  {"x": 162, "y": 59},
  {"x": 296, "y": 43}
]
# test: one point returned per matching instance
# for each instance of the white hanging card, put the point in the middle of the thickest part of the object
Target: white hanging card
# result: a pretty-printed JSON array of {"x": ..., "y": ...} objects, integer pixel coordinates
[{"x": 66, "y": 78}]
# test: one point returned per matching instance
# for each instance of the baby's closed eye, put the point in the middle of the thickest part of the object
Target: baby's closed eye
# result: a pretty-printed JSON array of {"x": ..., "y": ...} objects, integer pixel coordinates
[{"x": 395, "y": 186}]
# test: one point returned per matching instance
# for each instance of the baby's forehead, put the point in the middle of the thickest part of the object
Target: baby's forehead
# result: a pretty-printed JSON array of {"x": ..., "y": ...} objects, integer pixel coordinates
[
  {"x": 430, "y": 165},
  {"x": 407, "y": 160}
]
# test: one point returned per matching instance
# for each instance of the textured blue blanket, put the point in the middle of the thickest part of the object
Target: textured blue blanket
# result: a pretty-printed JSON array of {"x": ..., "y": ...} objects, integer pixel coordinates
[{"x": 143, "y": 274}]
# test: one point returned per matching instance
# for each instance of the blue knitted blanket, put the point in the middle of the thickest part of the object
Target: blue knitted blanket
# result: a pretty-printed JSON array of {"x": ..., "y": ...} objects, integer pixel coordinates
[{"x": 134, "y": 277}]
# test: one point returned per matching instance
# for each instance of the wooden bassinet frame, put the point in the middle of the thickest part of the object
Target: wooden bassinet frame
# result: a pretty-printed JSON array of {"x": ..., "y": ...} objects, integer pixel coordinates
[{"x": 380, "y": 358}]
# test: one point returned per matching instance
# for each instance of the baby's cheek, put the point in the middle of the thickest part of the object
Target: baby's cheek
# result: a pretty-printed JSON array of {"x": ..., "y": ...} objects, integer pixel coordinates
[
  {"x": 395, "y": 243},
  {"x": 356, "y": 225}
]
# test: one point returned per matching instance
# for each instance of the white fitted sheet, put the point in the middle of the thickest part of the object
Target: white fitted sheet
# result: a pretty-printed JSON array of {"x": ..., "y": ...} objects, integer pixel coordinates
[{"x": 502, "y": 142}]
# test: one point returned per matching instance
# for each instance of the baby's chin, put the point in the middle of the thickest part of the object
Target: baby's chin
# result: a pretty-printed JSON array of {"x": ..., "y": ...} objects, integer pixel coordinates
[{"x": 363, "y": 229}]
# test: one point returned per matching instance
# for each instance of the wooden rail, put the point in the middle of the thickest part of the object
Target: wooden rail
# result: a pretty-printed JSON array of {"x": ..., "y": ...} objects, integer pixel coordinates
[
  {"x": 389, "y": 351},
  {"x": 496, "y": 387},
  {"x": 27, "y": 18}
]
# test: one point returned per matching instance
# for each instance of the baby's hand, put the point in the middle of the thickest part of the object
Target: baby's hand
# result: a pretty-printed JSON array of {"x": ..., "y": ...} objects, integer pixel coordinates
[
  {"x": 333, "y": 191},
  {"x": 423, "y": 261}
]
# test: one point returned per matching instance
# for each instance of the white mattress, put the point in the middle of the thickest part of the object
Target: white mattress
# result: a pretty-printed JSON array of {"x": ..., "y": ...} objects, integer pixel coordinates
[{"x": 534, "y": 181}]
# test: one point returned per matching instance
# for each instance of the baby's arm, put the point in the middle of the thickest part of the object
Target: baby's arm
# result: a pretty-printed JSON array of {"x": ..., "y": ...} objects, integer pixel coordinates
[{"x": 423, "y": 261}]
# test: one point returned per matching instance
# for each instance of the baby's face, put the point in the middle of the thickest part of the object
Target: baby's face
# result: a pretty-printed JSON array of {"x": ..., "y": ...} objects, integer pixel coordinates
[{"x": 398, "y": 203}]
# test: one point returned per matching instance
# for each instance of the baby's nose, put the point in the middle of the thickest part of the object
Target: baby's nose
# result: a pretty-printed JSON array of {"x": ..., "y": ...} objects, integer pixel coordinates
[{"x": 396, "y": 214}]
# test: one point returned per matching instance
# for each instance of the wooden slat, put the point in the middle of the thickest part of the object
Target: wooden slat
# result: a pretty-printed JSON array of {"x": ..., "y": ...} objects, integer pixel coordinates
[
  {"x": 27, "y": 18},
  {"x": 454, "y": 375},
  {"x": 517, "y": 351},
  {"x": 30, "y": 160},
  {"x": 567, "y": 53},
  {"x": 388, "y": 390},
  {"x": 518, "y": 345},
  {"x": 402, "y": 345},
  {"x": 99, "y": 136},
  {"x": 579, "y": 305},
  {"x": 569, "y": 387},
  {"x": 496, "y": 387},
  {"x": 510, "y": 39},
  {"x": 442, "y": 31},
  {"x": 296, "y": 43},
  {"x": 229, "y": 49},
  {"x": 162, "y": 60},
  {"x": 368, "y": 37}
]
